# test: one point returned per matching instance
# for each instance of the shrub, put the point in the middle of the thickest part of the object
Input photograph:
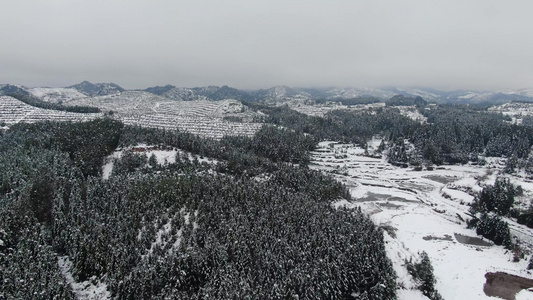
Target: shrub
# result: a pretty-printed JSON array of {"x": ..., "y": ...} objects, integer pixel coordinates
[
  {"x": 493, "y": 227},
  {"x": 422, "y": 272}
]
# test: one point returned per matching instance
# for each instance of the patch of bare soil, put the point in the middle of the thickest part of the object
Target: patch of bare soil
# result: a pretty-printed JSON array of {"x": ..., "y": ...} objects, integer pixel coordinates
[{"x": 504, "y": 285}]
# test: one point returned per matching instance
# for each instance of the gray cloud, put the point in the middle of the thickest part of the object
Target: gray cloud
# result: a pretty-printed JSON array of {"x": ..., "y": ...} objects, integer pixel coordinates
[{"x": 256, "y": 44}]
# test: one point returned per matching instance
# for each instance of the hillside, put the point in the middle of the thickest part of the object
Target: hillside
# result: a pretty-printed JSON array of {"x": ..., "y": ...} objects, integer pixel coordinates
[
  {"x": 237, "y": 224},
  {"x": 172, "y": 198},
  {"x": 97, "y": 89}
]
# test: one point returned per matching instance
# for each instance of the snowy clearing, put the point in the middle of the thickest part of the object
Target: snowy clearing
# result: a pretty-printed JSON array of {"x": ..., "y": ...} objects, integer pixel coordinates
[
  {"x": 92, "y": 289},
  {"x": 56, "y": 95},
  {"x": 163, "y": 157}
]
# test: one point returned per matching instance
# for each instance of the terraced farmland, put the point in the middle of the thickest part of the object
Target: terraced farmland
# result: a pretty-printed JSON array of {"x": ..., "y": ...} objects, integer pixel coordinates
[
  {"x": 13, "y": 111},
  {"x": 203, "y": 117},
  {"x": 207, "y": 127}
]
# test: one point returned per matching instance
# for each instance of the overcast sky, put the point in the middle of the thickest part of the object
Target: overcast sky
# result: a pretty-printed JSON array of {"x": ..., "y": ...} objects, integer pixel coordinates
[{"x": 452, "y": 44}]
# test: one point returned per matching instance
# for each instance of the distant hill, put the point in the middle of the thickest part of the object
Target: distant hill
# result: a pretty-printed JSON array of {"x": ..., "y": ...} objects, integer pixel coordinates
[
  {"x": 220, "y": 93},
  {"x": 281, "y": 94},
  {"x": 9, "y": 89},
  {"x": 466, "y": 96},
  {"x": 213, "y": 93},
  {"x": 401, "y": 100},
  {"x": 97, "y": 89},
  {"x": 160, "y": 90}
]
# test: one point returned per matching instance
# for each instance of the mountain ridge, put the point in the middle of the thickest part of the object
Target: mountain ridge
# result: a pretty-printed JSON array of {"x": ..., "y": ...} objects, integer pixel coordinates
[
  {"x": 282, "y": 94},
  {"x": 97, "y": 89}
]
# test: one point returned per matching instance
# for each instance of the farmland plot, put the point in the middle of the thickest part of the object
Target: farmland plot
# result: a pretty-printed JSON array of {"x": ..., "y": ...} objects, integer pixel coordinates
[
  {"x": 13, "y": 111},
  {"x": 322, "y": 109},
  {"x": 202, "y": 117},
  {"x": 517, "y": 111},
  {"x": 426, "y": 211}
]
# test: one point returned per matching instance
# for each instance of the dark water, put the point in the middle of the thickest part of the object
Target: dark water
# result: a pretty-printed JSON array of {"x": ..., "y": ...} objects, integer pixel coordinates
[
  {"x": 440, "y": 179},
  {"x": 390, "y": 205},
  {"x": 374, "y": 197},
  {"x": 470, "y": 240},
  {"x": 446, "y": 237}
]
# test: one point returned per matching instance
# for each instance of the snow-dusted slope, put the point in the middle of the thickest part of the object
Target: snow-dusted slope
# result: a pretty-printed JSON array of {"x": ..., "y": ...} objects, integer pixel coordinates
[
  {"x": 14, "y": 111},
  {"x": 129, "y": 102},
  {"x": 183, "y": 94},
  {"x": 56, "y": 95},
  {"x": 348, "y": 93},
  {"x": 97, "y": 89},
  {"x": 205, "y": 118}
]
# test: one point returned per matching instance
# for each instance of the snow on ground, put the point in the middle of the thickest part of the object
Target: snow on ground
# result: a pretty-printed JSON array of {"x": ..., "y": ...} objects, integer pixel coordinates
[
  {"x": 323, "y": 109},
  {"x": 524, "y": 295},
  {"x": 411, "y": 295},
  {"x": 516, "y": 110},
  {"x": 13, "y": 111},
  {"x": 204, "y": 118},
  {"x": 56, "y": 95},
  {"x": 166, "y": 235},
  {"x": 163, "y": 157},
  {"x": 513, "y": 109},
  {"x": 426, "y": 211},
  {"x": 107, "y": 168},
  {"x": 91, "y": 289},
  {"x": 412, "y": 113}
]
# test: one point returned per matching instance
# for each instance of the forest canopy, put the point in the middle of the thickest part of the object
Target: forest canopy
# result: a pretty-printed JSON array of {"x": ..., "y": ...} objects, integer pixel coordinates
[{"x": 181, "y": 230}]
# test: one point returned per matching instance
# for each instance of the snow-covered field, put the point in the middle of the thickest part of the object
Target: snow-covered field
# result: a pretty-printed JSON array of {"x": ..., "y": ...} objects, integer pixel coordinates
[
  {"x": 201, "y": 117},
  {"x": 56, "y": 95},
  {"x": 13, "y": 111},
  {"x": 204, "y": 118},
  {"x": 426, "y": 211},
  {"x": 515, "y": 110},
  {"x": 323, "y": 109},
  {"x": 162, "y": 156}
]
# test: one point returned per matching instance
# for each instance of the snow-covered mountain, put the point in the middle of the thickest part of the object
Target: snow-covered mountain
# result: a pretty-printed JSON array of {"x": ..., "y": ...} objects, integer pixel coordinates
[
  {"x": 175, "y": 93},
  {"x": 214, "y": 93},
  {"x": 97, "y": 89},
  {"x": 8, "y": 89},
  {"x": 56, "y": 95},
  {"x": 183, "y": 94},
  {"x": 277, "y": 94},
  {"x": 350, "y": 93},
  {"x": 286, "y": 94},
  {"x": 467, "y": 96}
]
